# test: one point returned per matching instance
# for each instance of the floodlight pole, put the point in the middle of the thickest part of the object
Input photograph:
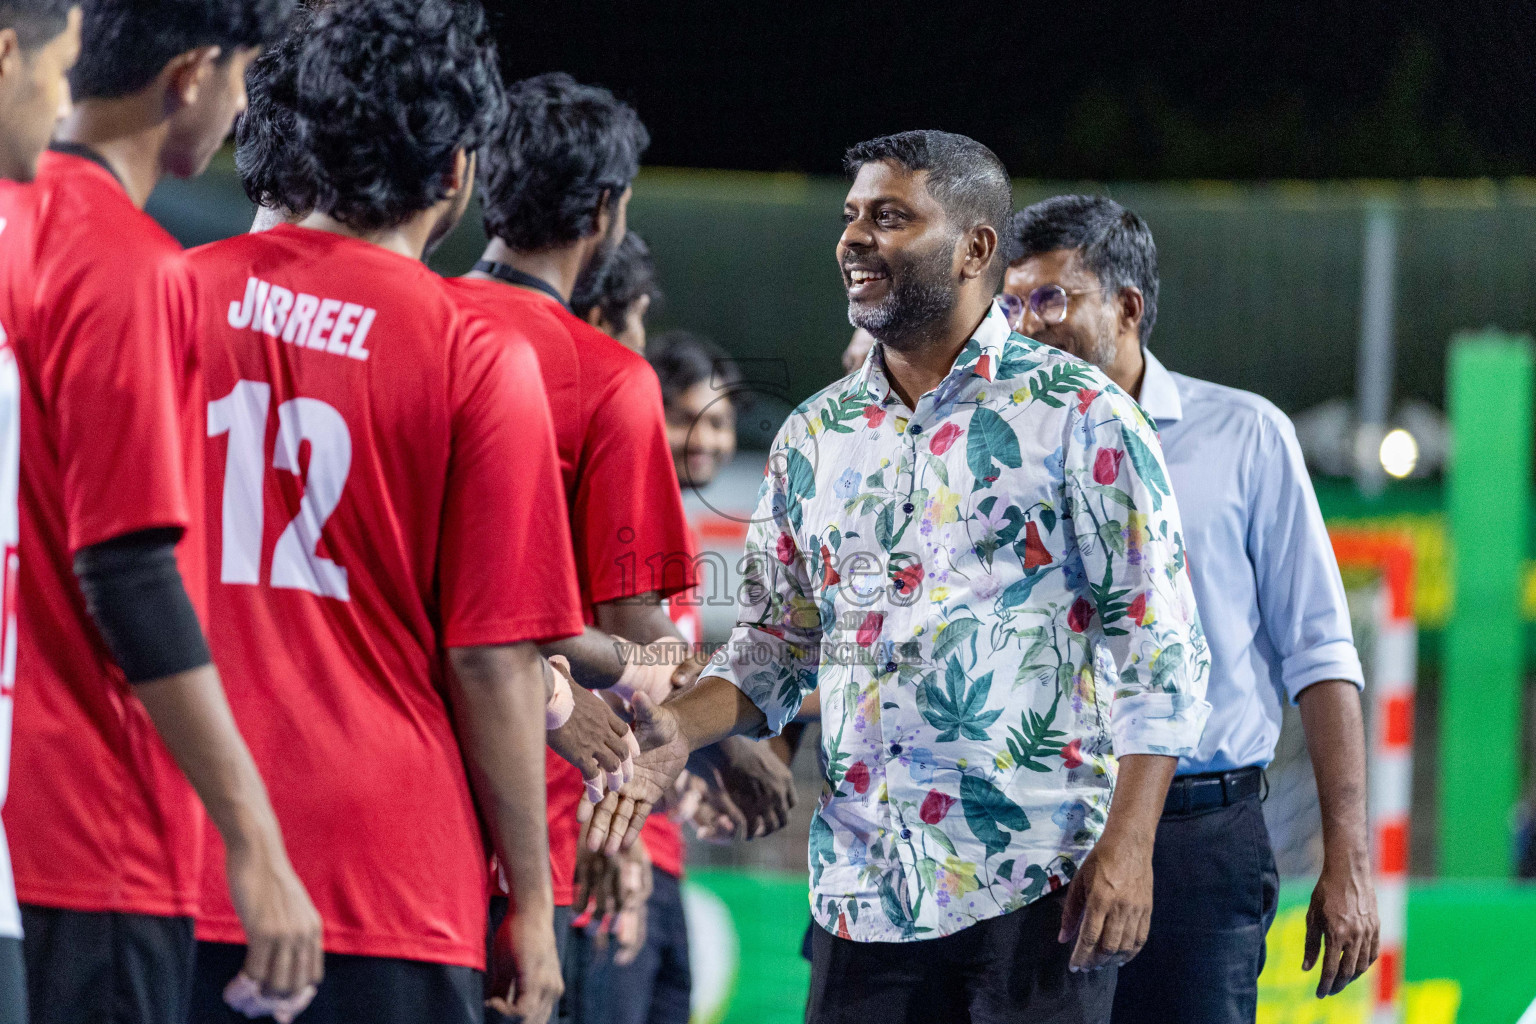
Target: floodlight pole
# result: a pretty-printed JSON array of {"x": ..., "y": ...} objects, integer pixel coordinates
[{"x": 1374, "y": 367}]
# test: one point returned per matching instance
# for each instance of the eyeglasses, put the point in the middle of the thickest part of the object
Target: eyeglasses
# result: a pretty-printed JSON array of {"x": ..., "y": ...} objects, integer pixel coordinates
[{"x": 1048, "y": 303}]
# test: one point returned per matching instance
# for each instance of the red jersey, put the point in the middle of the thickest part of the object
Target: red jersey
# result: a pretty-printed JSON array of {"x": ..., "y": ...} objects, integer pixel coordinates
[
  {"x": 100, "y": 311},
  {"x": 383, "y": 486},
  {"x": 626, "y": 507}
]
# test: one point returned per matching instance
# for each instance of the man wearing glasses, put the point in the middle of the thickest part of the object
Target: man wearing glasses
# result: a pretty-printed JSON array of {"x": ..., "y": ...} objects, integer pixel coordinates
[{"x": 1084, "y": 279}]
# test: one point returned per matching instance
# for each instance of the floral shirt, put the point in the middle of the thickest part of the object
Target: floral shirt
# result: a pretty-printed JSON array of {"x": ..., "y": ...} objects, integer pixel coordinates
[{"x": 990, "y": 593}]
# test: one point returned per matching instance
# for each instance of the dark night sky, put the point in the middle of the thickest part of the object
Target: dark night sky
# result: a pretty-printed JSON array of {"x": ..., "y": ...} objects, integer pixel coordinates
[{"x": 1278, "y": 88}]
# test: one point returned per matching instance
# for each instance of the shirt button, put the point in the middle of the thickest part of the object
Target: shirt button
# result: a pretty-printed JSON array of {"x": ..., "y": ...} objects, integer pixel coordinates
[
  {"x": 890, "y": 666},
  {"x": 895, "y": 748},
  {"x": 916, "y": 428},
  {"x": 908, "y": 508},
  {"x": 906, "y": 833}
]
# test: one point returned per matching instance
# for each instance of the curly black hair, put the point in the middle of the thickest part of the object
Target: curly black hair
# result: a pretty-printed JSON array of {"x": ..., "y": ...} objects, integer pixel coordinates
[
  {"x": 385, "y": 93},
  {"x": 563, "y": 145},
  {"x": 265, "y": 154},
  {"x": 628, "y": 274},
  {"x": 36, "y": 22},
  {"x": 124, "y": 44}
]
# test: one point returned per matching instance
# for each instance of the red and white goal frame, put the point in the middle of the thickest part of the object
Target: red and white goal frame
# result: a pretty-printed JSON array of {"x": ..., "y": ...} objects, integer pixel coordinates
[{"x": 1393, "y": 674}]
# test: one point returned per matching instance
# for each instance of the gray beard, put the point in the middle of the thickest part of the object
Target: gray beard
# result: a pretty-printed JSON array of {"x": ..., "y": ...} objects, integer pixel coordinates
[
  {"x": 909, "y": 313},
  {"x": 1102, "y": 352}
]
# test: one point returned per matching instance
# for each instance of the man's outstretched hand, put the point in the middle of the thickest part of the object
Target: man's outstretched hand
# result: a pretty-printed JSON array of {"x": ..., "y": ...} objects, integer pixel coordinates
[
  {"x": 615, "y": 823},
  {"x": 751, "y": 786},
  {"x": 594, "y": 740}
]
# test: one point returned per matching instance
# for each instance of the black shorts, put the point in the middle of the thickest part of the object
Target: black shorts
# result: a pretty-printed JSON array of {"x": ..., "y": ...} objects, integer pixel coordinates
[
  {"x": 656, "y": 988},
  {"x": 1004, "y": 970},
  {"x": 106, "y": 968},
  {"x": 564, "y": 949},
  {"x": 356, "y": 990}
]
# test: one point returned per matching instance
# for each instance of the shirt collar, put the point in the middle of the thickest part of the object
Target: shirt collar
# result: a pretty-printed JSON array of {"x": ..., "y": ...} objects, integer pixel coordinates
[
  {"x": 981, "y": 355},
  {"x": 1159, "y": 394},
  {"x": 83, "y": 152}
]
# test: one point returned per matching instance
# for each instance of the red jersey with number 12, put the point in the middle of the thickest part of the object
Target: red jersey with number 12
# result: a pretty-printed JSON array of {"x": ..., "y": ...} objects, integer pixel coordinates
[{"x": 382, "y": 484}]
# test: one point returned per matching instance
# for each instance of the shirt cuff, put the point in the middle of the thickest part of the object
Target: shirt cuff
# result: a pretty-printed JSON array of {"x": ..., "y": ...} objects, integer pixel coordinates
[
  {"x": 775, "y": 673},
  {"x": 1336, "y": 659},
  {"x": 1158, "y": 723}
]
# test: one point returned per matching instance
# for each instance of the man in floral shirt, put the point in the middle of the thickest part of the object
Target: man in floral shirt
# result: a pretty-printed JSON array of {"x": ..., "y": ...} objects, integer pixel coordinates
[{"x": 968, "y": 552}]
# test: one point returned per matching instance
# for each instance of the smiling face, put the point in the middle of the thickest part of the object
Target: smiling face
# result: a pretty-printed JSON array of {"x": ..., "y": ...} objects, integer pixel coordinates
[
  {"x": 701, "y": 428},
  {"x": 899, "y": 255},
  {"x": 1092, "y": 326}
]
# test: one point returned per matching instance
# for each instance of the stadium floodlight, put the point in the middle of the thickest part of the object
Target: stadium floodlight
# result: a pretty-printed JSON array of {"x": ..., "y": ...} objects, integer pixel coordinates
[{"x": 1399, "y": 453}]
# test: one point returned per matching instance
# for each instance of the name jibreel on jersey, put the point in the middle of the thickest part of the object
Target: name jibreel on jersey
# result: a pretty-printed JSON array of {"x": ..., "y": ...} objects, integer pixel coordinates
[{"x": 308, "y": 321}]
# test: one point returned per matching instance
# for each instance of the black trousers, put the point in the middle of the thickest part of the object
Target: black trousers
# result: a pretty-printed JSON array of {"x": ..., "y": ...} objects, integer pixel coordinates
[
  {"x": 13, "y": 983},
  {"x": 655, "y": 988},
  {"x": 356, "y": 990},
  {"x": 1214, "y": 893},
  {"x": 1007, "y": 970},
  {"x": 106, "y": 968}
]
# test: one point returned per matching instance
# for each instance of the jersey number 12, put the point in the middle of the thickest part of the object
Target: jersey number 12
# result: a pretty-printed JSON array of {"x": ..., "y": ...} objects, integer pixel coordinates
[{"x": 242, "y": 414}]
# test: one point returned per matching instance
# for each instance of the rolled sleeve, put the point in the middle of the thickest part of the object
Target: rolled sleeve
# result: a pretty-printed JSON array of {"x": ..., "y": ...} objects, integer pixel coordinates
[
  {"x": 774, "y": 652},
  {"x": 1301, "y": 594},
  {"x": 1157, "y": 723},
  {"x": 1147, "y": 636},
  {"x": 1335, "y": 659}
]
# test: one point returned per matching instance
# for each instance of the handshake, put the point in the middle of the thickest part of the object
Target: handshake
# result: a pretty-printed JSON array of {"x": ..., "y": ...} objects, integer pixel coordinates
[{"x": 736, "y": 789}]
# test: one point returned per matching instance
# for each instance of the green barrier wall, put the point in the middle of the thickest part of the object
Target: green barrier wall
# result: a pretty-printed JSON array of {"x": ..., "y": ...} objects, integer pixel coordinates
[{"x": 1471, "y": 945}]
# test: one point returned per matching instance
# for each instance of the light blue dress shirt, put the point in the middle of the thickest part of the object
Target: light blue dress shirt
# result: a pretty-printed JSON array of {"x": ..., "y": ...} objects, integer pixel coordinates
[{"x": 1265, "y": 578}]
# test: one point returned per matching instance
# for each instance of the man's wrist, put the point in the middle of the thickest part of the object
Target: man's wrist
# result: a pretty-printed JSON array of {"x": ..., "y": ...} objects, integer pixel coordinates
[
  {"x": 248, "y": 834},
  {"x": 1347, "y": 852},
  {"x": 1128, "y": 843}
]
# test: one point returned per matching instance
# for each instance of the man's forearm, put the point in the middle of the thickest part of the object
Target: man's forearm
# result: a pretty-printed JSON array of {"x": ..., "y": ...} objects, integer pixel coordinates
[
  {"x": 641, "y": 619},
  {"x": 713, "y": 710},
  {"x": 1334, "y": 725},
  {"x": 1141, "y": 789},
  {"x": 498, "y": 706},
  {"x": 596, "y": 660},
  {"x": 192, "y": 716}
]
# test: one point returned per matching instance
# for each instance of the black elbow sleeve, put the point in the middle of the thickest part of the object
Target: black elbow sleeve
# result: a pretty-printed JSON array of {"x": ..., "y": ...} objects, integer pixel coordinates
[{"x": 135, "y": 594}]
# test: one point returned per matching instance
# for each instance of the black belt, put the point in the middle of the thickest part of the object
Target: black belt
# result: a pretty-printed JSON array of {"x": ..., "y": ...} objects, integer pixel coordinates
[{"x": 1192, "y": 793}]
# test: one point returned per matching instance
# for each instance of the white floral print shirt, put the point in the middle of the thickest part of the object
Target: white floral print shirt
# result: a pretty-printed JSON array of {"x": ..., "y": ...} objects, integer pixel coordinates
[{"x": 990, "y": 593}]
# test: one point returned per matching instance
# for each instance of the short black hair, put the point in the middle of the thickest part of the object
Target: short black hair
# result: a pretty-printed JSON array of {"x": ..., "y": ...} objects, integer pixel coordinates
[
  {"x": 1113, "y": 242},
  {"x": 265, "y": 134},
  {"x": 683, "y": 360},
  {"x": 376, "y": 146},
  {"x": 37, "y": 22},
  {"x": 562, "y": 146},
  {"x": 125, "y": 44},
  {"x": 967, "y": 178},
  {"x": 628, "y": 275}
]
